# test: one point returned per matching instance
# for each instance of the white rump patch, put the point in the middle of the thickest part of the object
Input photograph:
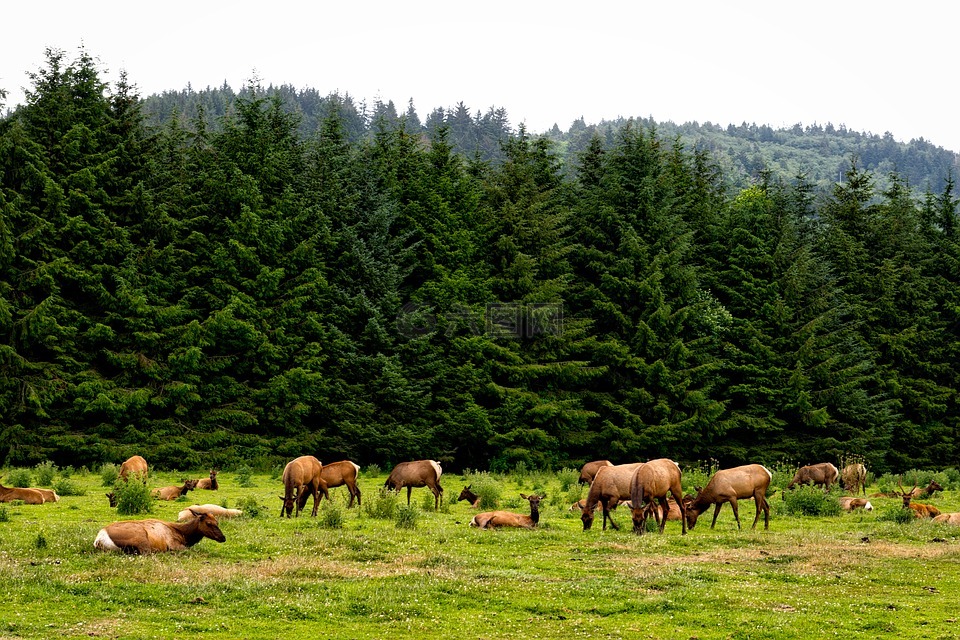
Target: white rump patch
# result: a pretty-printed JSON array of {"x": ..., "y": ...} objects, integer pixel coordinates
[
  {"x": 768, "y": 472},
  {"x": 103, "y": 541},
  {"x": 436, "y": 467},
  {"x": 868, "y": 506},
  {"x": 356, "y": 466}
]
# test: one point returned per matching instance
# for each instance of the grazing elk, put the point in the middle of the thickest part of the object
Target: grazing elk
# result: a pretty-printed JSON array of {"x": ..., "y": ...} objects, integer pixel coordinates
[
  {"x": 112, "y": 497},
  {"x": 172, "y": 493},
  {"x": 210, "y": 484},
  {"x": 848, "y": 503},
  {"x": 471, "y": 498},
  {"x": 27, "y": 496},
  {"x": 342, "y": 473},
  {"x": 495, "y": 519},
  {"x": 589, "y": 470},
  {"x": 148, "y": 536},
  {"x": 302, "y": 475},
  {"x": 609, "y": 487},
  {"x": 134, "y": 466},
  {"x": 651, "y": 483},
  {"x": 854, "y": 478},
  {"x": 578, "y": 506},
  {"x": 417, "y": 473},
  {"x": 919, "y": 510},
  {"x": 730, "y": 485},
  {"x": 213, "y": 509},
  {"x": 822, "y": 474}
]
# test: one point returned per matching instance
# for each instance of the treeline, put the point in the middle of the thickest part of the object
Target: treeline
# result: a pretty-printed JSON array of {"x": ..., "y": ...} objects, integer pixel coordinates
[
  {"x": 822, "y": 153},
  {"x": 207, "y": 295}
]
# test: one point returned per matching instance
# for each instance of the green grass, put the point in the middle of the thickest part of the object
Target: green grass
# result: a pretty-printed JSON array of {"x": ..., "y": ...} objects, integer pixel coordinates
[{"x": 853, "y": 575}]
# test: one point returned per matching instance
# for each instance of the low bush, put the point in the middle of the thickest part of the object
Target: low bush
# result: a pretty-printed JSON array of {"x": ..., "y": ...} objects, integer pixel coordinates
[
  {"x": 407, "y": 517},
  {"x": 807, "y": 500},
  {"x": 67, "y": 487},
  {"x": 245, "y": 477},
  {"x": 109, "y": 474},
  {"x": 19, "y": 478},
  {"x": 383, "y": 506},
  {"x": 44, "y": 473},
  {"x": 896, "y": 514},
  {"x": 568, "y": 478},
  {"x": 250, "y": 507},
  {"x": 133, "y": 497},
  {"x": 331, "y": 515}
]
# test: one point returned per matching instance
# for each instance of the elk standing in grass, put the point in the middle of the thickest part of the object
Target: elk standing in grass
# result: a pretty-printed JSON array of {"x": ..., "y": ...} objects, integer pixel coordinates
[
  {"x": 302, "y": 475},
  {"x": 417, "y": 473},
  {"x": 854, "y": 478},
  {"x": 651, "y": 483},
  {"x": 148, "y": 536},
  {"x": 495, "y": 519},
  {"x": 822, "y": 474},
  {"x": 589, "y": 470},
  {"x": 609, "y": 487},
  {"x": 730, "y": 485},
  {"x": 134, "y": 466},
  {"x": 342, "y": 473}
]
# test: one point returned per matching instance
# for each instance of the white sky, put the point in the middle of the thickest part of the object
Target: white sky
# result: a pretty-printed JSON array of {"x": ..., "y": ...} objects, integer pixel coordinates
[{"x": 870, "y": 66}]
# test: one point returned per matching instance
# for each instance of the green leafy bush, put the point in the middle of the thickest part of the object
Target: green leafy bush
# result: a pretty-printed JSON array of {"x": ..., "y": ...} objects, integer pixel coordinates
[
  {"x": 568, "y": 478},
  {"x": 44, "y": 472},
  {"x": 133, "y": 497},
  {"x": 331, "y": 515},
  {"x": 384, "y": 506},
  {"x": 896, "y": 514},
  {"x": 19, "y": 478},
  {"x": 67, "y": 487},
  {"x": 250, "y": 507},
  {"x": 245, "y": 477},
  {"x": 806, "y": 500},
  {"x": 372, "y": 470},
  {"x": 407, "y": 517},
  {"x": 4, "y": 516},
  {"x": 109, "y": 474}
]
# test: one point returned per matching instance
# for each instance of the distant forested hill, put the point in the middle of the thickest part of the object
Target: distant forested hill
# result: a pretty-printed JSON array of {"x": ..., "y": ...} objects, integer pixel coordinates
[{"x": 821, "y": 153}]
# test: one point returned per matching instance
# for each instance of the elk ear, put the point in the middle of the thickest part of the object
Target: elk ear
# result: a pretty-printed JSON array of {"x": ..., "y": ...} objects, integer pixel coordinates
[
  {"x": 524, "y": 496},
  {"x": 543, "y": 497},
  {"x": 196, "y": 514}
]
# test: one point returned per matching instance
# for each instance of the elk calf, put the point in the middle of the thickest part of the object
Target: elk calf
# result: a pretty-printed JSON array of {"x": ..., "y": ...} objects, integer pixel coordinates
[
  {"x": 210, "y": 484},
  {"x": 172, "y": 493}
]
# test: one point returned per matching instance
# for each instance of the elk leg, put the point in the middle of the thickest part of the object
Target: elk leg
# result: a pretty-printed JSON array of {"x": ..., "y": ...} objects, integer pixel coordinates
[
  {"x": 736, "y": 511},
  {"x": 409, "y": 489},
  {"x": 716, "y": 512}
]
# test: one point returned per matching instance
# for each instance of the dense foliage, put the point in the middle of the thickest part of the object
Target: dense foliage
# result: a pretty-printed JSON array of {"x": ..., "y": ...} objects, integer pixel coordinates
[{"x": 254, "y": 291}]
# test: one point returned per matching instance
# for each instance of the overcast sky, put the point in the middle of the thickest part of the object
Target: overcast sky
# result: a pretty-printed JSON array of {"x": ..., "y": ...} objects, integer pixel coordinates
[{"x": 873, "y": 67}]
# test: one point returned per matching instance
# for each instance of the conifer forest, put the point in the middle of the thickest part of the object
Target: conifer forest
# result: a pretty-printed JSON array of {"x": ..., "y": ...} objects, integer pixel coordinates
[{"x": 236, "y": 285}]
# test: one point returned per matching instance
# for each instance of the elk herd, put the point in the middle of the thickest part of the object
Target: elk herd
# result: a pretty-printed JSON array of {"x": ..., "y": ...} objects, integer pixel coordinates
[{"x": 651, "y": 488}]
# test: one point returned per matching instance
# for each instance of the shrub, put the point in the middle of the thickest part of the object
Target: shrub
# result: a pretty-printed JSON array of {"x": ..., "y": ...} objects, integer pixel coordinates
[
  {"x": 384, "y": 506},
  {"x": 20, "y": 478},
  {"x": 40, "y": 542},
  {"x": 407, "y": 517},
  {"x": 568, "y": 478},
  {"x": 897, "y": 514},
  {"x": 245, "y": 476},
  {"x": 372, "y": 470},
  {"x": 427, "y": 501},
  {"x": 250, "y": 507},
  {"x": 67, "y": 487},
  {"x": 133, "y": 497},
  {"x": 331, "y": 516},
  {"x": 806, "y": 500},
  {"x": 109, "y": 474},
  {"x": 44, "y": 473},
  {"x": 4, "y": 516}
]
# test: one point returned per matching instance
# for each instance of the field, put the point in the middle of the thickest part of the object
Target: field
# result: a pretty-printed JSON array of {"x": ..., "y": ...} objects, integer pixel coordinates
[{"x": 351, "y": 573}]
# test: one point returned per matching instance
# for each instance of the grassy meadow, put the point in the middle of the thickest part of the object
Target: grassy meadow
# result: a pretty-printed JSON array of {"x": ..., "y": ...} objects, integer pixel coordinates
[{"x": 383, "y": 571}]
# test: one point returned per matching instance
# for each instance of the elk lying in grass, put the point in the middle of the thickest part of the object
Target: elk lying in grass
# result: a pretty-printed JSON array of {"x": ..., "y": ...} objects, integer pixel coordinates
[
  {"x": 651, "y": 483},
  {"x": 472, "y": 499},
  {"x": 673, "y": 509},
  {"x": 417, "y": 473},
  {"x": 848, "y": 503},
  {"x": 609, "y": 487},
  {"x": 730, "y": 485},
  {"x": 822, "y": 474},
  {"x": 854, "y": 478},
  {"x": 339, "y": 474},
  {"x": 496, "y": 519},
  {"x": 948, "y": 518},
  {"x": 134, "y": 466},
  {"x": 300, "y": 476},
  {"x": 589, "y": 470},
  {"x": 173, "y": 492},
  {"x": 149, "y": 536},
  {"x": 210, "y": 484},
  {"x": 27, "y": 496},
  {"x": 919, "y": 510},
  {"x": 213, "y": 509}
]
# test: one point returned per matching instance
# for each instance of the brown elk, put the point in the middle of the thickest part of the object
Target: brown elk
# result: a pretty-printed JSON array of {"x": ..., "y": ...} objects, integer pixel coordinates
[
  {"x": 854, "y": 478},
  {"x": 172, "y": 493},
  {"x": 210, "y": 484},
  {"x": 472, "y": 499},
  {"x": 213, "y": 509},
  {"x": 651, "y": 483},
  {"x": 919, "y": 510},
  {"x": 948, "y": 518},
  {"x": 148, "y": 536},
  {"x": 302, "y": 475},
  {"x": 673, "y": 511},
  {"x": 821, "y": 474},
  {"x": 495, "y": 519},
  {"x": 848, "y": 503},
  {"x": 609, "y": 487},
  {"x": 927, "y": 491},
  {"x": 27, "y": 496},
  {"x": 339, "y": 474},
  {"x": 589, "y": 470},
  {"x": 417, "y": 473},
  {"x": 730, "y": 485},
  {"x": 134, "y": 466}
]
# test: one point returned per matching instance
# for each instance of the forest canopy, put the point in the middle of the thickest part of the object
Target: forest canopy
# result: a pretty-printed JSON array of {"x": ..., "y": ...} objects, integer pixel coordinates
[{"x": 247, "y": 281}]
